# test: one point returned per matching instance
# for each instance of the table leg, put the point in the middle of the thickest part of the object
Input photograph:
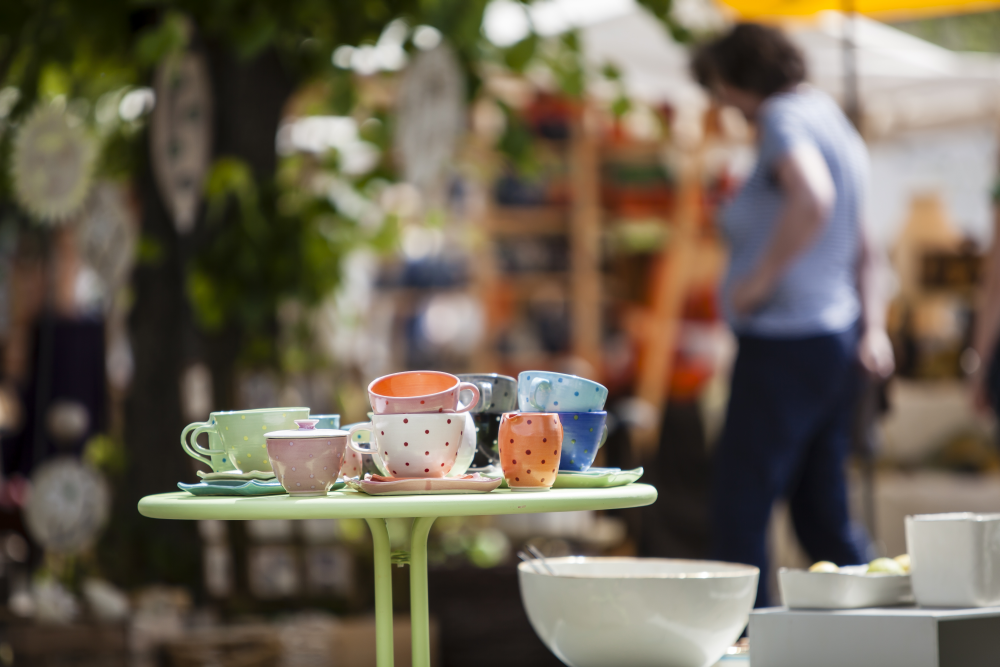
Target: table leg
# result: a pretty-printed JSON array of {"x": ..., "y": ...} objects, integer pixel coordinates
[
  {"x": 419, "y": 616},
  {"x": 383, "y": 593}
]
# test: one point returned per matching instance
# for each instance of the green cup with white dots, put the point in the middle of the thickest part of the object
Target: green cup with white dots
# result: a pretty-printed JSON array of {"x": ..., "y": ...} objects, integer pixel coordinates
[
  {"x": 583, "y": 434},
  {"x": 236, "y": 437}
]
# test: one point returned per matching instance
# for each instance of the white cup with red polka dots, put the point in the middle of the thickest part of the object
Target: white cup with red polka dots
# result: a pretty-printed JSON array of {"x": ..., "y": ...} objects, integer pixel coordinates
[{"x": 412, "y": 445}]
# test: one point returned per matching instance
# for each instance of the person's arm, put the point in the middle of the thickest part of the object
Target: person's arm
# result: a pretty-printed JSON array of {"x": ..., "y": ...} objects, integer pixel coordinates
[
  {"x": 875, "y": 348},
  {"x": 809, "y": 194},
  {"x": 984, "y": 338}
]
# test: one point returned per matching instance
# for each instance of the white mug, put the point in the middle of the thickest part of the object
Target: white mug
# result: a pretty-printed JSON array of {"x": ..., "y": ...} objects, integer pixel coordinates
[{"x": 413, "y": 445}]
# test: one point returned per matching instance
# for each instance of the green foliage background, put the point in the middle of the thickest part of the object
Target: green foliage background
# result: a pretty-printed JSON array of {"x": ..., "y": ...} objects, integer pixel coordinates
[{"x": 270, "y": 239}]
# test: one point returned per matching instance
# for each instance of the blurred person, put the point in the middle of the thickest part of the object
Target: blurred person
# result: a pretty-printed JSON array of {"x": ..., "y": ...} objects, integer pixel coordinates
[
  {"x": 800, "y": 297},
  {"x": 985, "y": 374}
]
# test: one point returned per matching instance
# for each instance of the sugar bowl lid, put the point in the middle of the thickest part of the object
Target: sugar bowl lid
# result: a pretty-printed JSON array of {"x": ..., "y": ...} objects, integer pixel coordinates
[{"x": 307, "y": 429}]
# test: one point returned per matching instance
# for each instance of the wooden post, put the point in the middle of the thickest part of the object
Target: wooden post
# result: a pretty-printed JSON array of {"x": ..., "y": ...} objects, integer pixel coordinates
[
  {"x": 585, "y": 247},
  {"x": 668, "y": 302}
]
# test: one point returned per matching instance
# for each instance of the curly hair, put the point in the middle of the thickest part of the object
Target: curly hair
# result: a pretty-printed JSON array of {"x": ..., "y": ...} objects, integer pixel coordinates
[{"x": 751, "y": 57}]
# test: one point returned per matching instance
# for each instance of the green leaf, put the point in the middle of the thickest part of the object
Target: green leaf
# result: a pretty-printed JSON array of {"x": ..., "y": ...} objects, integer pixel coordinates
[
  {"x": 166, "y": 39},
  {"x": 519, "y": 55}
]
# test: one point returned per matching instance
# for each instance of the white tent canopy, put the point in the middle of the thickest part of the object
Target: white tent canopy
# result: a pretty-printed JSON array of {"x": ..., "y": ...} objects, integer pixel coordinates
[{"x": 930, "y": 115}]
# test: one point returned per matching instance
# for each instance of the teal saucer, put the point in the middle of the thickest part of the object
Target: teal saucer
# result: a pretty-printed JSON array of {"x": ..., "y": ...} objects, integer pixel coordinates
[{"x": 235, "y": 487}]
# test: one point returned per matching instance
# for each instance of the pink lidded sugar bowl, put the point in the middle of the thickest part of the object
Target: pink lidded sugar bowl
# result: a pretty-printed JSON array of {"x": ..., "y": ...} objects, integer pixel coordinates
[{"x": 307, "y": 460}]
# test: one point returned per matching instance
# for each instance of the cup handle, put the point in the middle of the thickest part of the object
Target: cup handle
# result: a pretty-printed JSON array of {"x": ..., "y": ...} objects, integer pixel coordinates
[
  {"x": 604, "y": 436},
  {"x": 356, "y": 446},
  {"x": 486, "y": 393},
  {"x": 372, "y": 451},
  {"x": 533, "y": 390},
  {"x": 467, "y": 386},
  {"x": 365, "y": 427},
  {"x": 192, "y": 448}
]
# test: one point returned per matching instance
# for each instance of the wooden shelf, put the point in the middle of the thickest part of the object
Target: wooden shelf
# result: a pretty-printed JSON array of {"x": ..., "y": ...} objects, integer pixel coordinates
[{"x": 530, "y": 220}]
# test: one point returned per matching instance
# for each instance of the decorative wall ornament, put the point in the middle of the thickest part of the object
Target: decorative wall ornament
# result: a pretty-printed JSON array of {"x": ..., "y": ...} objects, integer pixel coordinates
[
  {"x": 181, "y": 135},
  {"x": 431, "y": 113},
  {"x": 52, "y": 164},
  {"x": 107, "y": 234},
  {"x": 68, "y": 505}
]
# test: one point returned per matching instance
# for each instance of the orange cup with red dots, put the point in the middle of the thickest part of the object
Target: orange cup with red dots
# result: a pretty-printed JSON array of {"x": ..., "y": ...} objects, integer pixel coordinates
[{"x": 530, "y": 447}]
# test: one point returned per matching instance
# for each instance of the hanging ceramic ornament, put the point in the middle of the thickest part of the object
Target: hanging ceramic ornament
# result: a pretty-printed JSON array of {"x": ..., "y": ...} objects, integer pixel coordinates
[
  {"x": 431, "y": 113},
  {"x": 107, "y": 234},
  {"x": 181, "y": 135},
  {"x": 52, "y": 164},
  {"x": 67, "y": 506}
]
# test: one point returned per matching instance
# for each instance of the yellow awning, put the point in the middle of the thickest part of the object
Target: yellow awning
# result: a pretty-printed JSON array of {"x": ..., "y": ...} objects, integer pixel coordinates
[{"x": 882, "y": 9}]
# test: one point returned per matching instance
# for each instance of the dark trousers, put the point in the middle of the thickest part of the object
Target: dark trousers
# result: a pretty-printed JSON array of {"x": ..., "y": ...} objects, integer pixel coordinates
[{"x": 787, "y": 434}]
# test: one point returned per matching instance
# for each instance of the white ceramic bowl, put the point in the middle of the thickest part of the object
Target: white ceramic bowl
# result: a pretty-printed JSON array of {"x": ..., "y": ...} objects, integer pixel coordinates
[
  {"x": 954, "y": 559},
  {"x": 638, "y": 612}
]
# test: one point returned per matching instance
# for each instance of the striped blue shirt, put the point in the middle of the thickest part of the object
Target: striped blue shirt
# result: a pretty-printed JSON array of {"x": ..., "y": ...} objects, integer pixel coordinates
[{"x": 818, "y": 293}]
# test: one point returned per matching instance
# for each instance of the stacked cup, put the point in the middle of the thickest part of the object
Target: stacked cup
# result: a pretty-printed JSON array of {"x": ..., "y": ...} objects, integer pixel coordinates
[
  {"x": 497, "y": 395},
  {"x": 575, "y": 404},
  {"x": 418, "y": 426}
]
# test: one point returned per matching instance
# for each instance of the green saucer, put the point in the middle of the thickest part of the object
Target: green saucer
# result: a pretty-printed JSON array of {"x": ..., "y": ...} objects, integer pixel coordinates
[{"x": 596, "y": 478}]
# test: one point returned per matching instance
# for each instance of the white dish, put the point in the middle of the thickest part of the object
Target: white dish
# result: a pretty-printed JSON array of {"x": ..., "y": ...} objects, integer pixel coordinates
[
  {"x": 639, "y": 612},
  {"x": 850, "y": 588},
  {"x": 955, "y": 559}
]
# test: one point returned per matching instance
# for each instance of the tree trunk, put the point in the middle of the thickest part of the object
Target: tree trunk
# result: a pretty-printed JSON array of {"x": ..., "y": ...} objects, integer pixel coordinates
[{"x": 248, "y": 99}]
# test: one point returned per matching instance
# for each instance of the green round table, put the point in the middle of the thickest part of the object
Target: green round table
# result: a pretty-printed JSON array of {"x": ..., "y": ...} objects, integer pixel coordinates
[{"x": 375, "y": 510}]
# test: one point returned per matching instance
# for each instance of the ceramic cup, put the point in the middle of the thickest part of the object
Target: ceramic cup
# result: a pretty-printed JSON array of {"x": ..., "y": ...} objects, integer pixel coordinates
[
  {"x": 236, "y": 438},
  {"x": 497, "y": 393},
  {"x": 307, "y": 460},
  {"x": 583, "y": 434},
  {"x": 544, "y": 391},
  {"x": 530, "y": 446},
  {"x": 412, "y": 392},
  {"x": 413, "y": 445},
  {"x": 327, "y": 421}
]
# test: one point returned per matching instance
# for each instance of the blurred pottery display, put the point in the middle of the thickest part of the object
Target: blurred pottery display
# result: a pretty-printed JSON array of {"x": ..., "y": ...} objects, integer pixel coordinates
[
  {"x": 412, "y": 392},
  {"x": 545, "y": 391},
  {"x": 596, "y": 478},
  {"x": 236, "y": 438},
  {"x": 381, "y": 486},
  {"x": 638, "y": 611},
  {"x": 497, "y": 393},
  {"x": 530, "y": 445},
  {"x": 412, "y": 445},
  {"x": 583, "y": 434},
  {"x": 954, "y": 559},
  {"x": 307, "y": 460}
]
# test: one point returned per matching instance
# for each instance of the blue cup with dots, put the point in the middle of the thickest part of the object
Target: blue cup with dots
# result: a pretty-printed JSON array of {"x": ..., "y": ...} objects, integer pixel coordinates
[
  {"x": 327, "y": 421},
  {"x": 583, "y": 434},
  {"x": 545, "y": 391}
]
